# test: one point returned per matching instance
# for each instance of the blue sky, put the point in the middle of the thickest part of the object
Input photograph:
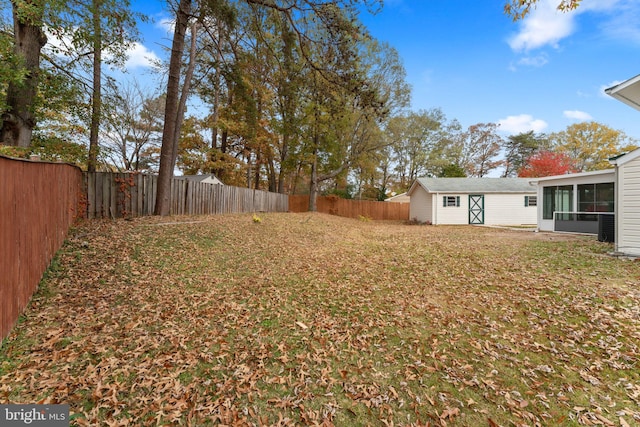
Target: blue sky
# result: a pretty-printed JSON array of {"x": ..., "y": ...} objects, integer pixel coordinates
[
  {"x": 543, "y": 74},
  {"x": 474, "y": 63}
]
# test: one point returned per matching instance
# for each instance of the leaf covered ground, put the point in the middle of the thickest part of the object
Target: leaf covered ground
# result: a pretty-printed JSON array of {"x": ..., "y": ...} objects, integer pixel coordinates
[{"x": 309, "y": 319}]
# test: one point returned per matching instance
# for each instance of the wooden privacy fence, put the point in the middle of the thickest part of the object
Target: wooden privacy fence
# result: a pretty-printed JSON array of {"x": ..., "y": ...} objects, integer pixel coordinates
[
  {"x": 118, "y": 195},
  {"x": 38, "y": 203},
  {"x": 352, "y": 208}
]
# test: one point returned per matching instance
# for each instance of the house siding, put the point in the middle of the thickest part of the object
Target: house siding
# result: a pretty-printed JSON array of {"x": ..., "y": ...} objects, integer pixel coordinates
[
  {"x": 499, "y": 209},
  {"x": 420, "y": 208},
  {"x": 509, "y": 209},
  {"x": 629, "y": 208},
  {"x": 504, "y": 200},
  {"x": 452, "y": 215}
]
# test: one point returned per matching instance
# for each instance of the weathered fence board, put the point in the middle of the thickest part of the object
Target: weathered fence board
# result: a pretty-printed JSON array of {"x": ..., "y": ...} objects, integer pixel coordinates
[
  {"x": 352, "y": 208},
  {"x": 38, "y": 203},
  {"x": 117, "y": 195}
]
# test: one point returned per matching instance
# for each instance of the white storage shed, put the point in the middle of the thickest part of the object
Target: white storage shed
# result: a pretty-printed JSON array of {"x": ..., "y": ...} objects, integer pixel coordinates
[{"x": 456, "y": 201}]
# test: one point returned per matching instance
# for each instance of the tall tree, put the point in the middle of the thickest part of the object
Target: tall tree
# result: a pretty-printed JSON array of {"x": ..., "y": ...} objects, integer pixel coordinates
[
  {"x": 482, "y": 147},
  {"x": 452, "y": 170},
  {"x": 132, "y": 129},
  {"x": 168, "y": 152},
  {"x": 347, "y": 117},
  {"x": 546, "y": 163},
  {"x": 518, "y": 148},
  {"x": 283, "y": 57},
  {"x": 19, "y": 119},
  {"x": 415, "y": 137},
  {"x": 591, "y": 144},
  {"x": 81, "y": 30},
  {"x": 99, "y": 29},
  {"x": 96, "y": 90},
  {"x": 193, "y": 153},
  {"x": 336, "y": 16}
]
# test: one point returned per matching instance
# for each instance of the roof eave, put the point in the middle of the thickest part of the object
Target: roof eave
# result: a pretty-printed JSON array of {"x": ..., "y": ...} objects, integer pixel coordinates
[
  {"x": 627, "y": 92},
  {"x": 625, "y": 158},
  {"x": 572, "y": 175}
]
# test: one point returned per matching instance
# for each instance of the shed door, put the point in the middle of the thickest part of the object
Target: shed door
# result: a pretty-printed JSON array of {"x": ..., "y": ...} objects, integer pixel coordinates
[{"x": 476, "y": 209}]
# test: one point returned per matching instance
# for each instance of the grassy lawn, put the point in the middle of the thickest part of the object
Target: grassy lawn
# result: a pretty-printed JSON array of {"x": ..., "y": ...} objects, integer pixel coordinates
[{"x": 307, "y": 319}]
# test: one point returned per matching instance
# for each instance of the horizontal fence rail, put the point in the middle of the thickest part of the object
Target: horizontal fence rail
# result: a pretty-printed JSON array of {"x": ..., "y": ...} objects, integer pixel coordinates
[
  {"x": 352, "y": 208},
  {"x": 38, "y": 203},
  {"x": 127, "y": 195}
]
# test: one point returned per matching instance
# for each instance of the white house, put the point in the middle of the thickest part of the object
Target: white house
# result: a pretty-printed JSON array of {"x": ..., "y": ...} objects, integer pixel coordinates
[
  {"x": 399, "y": 198},
  {"x": 605, "y": 202},
  {"x": 491, "y": 201},
  {"x": 627, "y": 170},
  {"x": 574, "y": 202},
  {"x": 627, "y": 220},
  {"x": 205, "y": 179}
]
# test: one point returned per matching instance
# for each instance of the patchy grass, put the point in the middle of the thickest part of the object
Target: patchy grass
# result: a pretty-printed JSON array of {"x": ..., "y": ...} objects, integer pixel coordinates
[{"x": 313, "y": 319}]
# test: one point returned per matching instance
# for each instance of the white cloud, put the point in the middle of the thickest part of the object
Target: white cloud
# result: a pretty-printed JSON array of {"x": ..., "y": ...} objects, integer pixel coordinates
[
  {"x": 534, "y": 61},
  {"x": 166, "y": 24},
  {"x": 521, "y": 123},
  {"x": 58, "y": 45},
  {"x": 622, "y": 20},
  {"x": 604, "y": 5},
  {"x": 580, "y": 116},
  {"x": 545, "y": 25},
  {"x": 139, "y": 56}
]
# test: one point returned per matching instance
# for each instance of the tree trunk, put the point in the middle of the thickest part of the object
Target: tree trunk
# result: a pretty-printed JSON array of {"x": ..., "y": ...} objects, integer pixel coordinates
[
  {"x": 220, "y": 171},
  {"x": 18, "y": 122},
  {"x": 96, "y": 104},
  {"x": 182, "y": 105},
  {"x": 284, "y": 154},
  {"x": 313, "y": 189},
  {"x": 271, "y": 174},
  {"x": 256, "y": 178},
  {"x": 248, "y": 161},
  {"x": 216, "y": 100},
  {"x": 165, "y": 174}
]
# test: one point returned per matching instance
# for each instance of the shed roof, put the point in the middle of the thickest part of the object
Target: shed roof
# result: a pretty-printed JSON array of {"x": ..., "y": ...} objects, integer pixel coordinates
[
  {"x": 473, "y": 185},
  {"x": 398, "y": 198},
  {"x": 625, "y": 158},
  {"x": 570, "y": 176},
  {"x": 200, "y": 178},
  {"x": 627, "y": 92}
]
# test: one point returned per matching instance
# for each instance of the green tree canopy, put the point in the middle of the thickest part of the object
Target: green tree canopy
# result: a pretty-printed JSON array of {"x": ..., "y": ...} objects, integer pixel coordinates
[{"x": 518, "y": 148}]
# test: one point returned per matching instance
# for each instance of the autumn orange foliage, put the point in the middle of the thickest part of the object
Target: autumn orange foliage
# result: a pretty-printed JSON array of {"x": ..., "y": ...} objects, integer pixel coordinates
[{"x": 547, "y": 163}]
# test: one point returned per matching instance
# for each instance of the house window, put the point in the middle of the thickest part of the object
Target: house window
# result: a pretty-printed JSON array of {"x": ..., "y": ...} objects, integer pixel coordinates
[
  {"x": 595, "y": 198},
  {"x": 557, "y": 199},
  {"x": 450, "y": 201},
  {"x": 531, "y": 200}
]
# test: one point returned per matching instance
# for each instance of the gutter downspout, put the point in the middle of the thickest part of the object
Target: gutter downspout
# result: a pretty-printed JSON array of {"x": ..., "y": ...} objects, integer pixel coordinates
[
  {"x": 617, "y": 194},
  {"x": 436, "y": 206},
  {"x": 539, "y": 202}
]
